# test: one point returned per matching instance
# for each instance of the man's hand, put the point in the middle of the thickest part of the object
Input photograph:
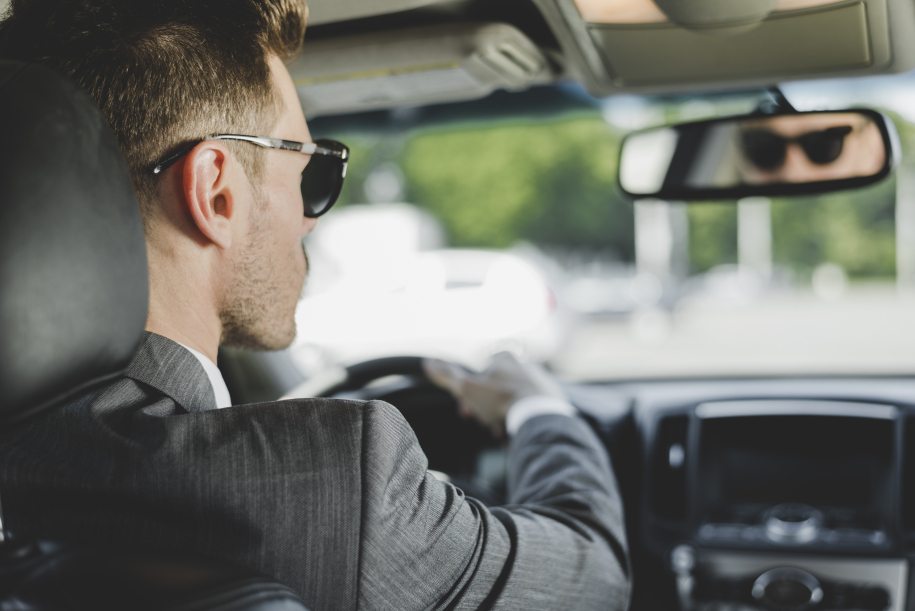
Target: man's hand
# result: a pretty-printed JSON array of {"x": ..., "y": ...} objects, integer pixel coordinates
[{"x": 487, "y": 396}]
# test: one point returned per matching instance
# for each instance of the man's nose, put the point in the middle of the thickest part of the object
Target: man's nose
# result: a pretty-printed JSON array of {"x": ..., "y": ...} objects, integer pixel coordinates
[{"x": 797, "y": 166}]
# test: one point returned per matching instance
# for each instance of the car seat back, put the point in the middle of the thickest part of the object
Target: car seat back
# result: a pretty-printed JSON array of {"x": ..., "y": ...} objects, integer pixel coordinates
[{"x": 73, "y": 303}]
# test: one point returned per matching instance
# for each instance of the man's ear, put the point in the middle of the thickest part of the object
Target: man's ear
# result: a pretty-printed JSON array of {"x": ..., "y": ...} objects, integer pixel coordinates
[{"x": 209, "y": 191}]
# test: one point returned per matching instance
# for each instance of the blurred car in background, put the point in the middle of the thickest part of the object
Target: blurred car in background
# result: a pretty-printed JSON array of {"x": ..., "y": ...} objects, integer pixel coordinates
[{"x": 383, "y": 284}]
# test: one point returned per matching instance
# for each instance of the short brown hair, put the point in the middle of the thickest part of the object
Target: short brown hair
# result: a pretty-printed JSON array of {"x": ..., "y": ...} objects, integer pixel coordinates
[{"x": 164, "y": 72}]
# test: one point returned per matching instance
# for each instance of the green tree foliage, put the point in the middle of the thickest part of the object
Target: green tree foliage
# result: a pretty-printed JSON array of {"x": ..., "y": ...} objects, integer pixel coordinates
[
  {"x": 551, "y": 183},
  {"x": 712, "y": 235},
  {"x": 855, "y": 229}
]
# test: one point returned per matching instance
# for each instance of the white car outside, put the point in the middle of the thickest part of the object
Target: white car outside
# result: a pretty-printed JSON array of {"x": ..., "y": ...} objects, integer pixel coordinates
[{"x": 376, "y": 291}]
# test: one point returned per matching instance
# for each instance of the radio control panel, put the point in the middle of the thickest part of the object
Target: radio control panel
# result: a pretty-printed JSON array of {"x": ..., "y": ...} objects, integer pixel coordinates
[{"x": 794, "y": 525}]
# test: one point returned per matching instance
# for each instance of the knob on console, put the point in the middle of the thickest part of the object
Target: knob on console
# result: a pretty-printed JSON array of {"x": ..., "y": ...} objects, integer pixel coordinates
[
  {"x": 683, "y": 559},
  {"x": 793, "y": 523},
  {"x": 787, "y": 589}
]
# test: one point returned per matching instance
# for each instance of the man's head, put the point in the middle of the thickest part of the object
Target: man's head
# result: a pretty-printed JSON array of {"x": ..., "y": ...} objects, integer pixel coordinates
[
  {"x": 224, "y": 224},
  {"x": 167, "y": 72}
]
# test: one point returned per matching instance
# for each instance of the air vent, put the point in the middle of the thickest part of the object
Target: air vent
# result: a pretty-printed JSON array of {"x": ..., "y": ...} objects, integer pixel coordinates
[
  {"x": 667, "y": 486},
  {"x": 908, "y": 476}
]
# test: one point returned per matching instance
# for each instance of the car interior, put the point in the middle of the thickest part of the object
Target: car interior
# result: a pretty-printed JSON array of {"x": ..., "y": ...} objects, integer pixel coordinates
[{"x": 784, "y": 490}]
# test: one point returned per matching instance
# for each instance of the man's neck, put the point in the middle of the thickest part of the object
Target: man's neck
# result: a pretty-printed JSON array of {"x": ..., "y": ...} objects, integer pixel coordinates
[
  {"x": 183, "y": 305},
  {"x": 201, "y": 342}
]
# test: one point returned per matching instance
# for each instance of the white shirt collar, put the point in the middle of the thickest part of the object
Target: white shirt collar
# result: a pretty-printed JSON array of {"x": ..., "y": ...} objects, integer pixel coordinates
[{"x": 216, "y": 381}]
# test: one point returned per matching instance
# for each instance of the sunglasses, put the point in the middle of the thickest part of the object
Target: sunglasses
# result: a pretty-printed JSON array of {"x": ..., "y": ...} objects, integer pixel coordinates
[
  {"x": 767, "y": 149},
  {"x": 322, "y": 178}
]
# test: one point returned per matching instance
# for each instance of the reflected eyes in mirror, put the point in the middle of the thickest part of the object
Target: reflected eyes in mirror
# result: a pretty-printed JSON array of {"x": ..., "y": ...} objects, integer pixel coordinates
[
  {"x": 796, "y": 153},
  {"x": 767, "y": 150}
]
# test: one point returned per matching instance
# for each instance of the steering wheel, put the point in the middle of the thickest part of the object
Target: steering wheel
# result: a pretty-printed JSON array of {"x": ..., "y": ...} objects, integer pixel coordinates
[
  {"x": 358, "y": 376},
  {"x": 466, "y": 451}
]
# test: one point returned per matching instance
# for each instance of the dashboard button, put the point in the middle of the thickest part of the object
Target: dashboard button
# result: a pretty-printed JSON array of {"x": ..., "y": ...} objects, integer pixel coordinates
[
  {"x": 793, "y": 523},
  {"x": 788, "y": 588}
]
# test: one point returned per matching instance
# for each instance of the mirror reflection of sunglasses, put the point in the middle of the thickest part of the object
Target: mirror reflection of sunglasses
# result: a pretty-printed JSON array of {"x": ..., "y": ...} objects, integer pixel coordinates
[{"x": 766, "y": 149}]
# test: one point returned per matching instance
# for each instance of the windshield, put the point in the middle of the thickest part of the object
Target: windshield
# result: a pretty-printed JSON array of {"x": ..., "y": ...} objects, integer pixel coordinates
[{"x": 471, "y": 228}]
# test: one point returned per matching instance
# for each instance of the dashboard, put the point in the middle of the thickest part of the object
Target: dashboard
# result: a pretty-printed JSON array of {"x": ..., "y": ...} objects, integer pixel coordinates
[
  {"x": 782, "y": 494},
  {"x": 779, "y": 494}
]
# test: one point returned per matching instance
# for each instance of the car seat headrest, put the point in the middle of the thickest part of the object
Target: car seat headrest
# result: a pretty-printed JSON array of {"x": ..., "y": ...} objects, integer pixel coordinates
[{"x": 74, "y": 285}]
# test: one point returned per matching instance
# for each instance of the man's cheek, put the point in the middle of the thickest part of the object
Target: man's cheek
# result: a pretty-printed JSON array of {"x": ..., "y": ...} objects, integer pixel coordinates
[{"x": 305, "y": 268}]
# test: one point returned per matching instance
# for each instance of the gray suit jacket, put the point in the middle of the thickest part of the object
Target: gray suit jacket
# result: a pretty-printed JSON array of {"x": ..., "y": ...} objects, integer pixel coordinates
[{"x": 329, "y": 496}]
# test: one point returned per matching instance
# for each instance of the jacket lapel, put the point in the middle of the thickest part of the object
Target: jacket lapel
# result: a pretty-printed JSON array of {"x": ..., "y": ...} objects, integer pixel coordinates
[{"x": 169, "y": 368}]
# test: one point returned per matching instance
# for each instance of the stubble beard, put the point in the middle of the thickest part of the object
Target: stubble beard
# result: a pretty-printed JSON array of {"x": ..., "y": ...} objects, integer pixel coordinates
[{"x": 259, "y": 309}]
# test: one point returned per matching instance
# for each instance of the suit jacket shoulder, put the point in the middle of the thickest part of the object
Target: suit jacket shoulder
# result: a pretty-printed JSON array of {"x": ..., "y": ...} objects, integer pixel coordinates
[
  {"x": 329, "y": 496},
  {"x": 273, "y": 486}
]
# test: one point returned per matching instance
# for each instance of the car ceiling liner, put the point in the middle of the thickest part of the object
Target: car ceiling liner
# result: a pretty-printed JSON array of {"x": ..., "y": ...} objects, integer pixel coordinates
[
  {"x": 740, "y": 42},
  {"x": 418, "y": 52},
  {"x": 330, "y": 11}
]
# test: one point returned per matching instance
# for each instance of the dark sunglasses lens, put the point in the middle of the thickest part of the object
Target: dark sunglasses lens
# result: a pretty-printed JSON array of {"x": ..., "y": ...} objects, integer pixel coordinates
[
  {"x": 322, "y": 179},
  {"x": 763, "y": 148},
  {"x": 825, "y": 146}
]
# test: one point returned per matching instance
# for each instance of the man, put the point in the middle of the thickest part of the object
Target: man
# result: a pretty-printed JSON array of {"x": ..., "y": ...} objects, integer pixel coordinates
[{"x": 331, "y": 497}]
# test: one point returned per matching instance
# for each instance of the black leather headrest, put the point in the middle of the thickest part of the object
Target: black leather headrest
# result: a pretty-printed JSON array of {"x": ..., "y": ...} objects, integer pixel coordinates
[{"x": 74, "y": 286}]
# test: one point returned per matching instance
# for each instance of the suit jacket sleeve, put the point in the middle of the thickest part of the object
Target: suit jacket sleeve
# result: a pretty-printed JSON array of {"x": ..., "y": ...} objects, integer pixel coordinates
[{"x": 559, "y": 545}]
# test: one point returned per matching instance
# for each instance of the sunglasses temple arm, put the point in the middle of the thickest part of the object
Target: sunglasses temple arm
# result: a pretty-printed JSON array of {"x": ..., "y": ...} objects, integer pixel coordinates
[{"x": 171, "y": 159}]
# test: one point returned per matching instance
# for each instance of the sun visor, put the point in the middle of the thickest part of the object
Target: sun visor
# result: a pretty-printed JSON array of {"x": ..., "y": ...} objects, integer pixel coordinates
[
  {"x": 415, "y": 66},
  {"x": 331, "y": 11},
  {"x": 651, "y": 46},
  {"x": 807, "y": 41}
]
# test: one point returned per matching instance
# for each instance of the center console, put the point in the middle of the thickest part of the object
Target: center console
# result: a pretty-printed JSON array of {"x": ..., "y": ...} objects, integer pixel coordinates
[{"x": 779, "y": 504}]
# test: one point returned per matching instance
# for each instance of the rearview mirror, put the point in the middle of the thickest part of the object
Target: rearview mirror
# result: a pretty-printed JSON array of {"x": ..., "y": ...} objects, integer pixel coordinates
[{"x": 799, "y": 153}]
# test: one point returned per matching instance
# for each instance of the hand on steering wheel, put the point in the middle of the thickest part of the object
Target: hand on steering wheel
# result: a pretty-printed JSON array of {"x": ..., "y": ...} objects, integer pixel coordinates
[{"x": 488, "y": 395}]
